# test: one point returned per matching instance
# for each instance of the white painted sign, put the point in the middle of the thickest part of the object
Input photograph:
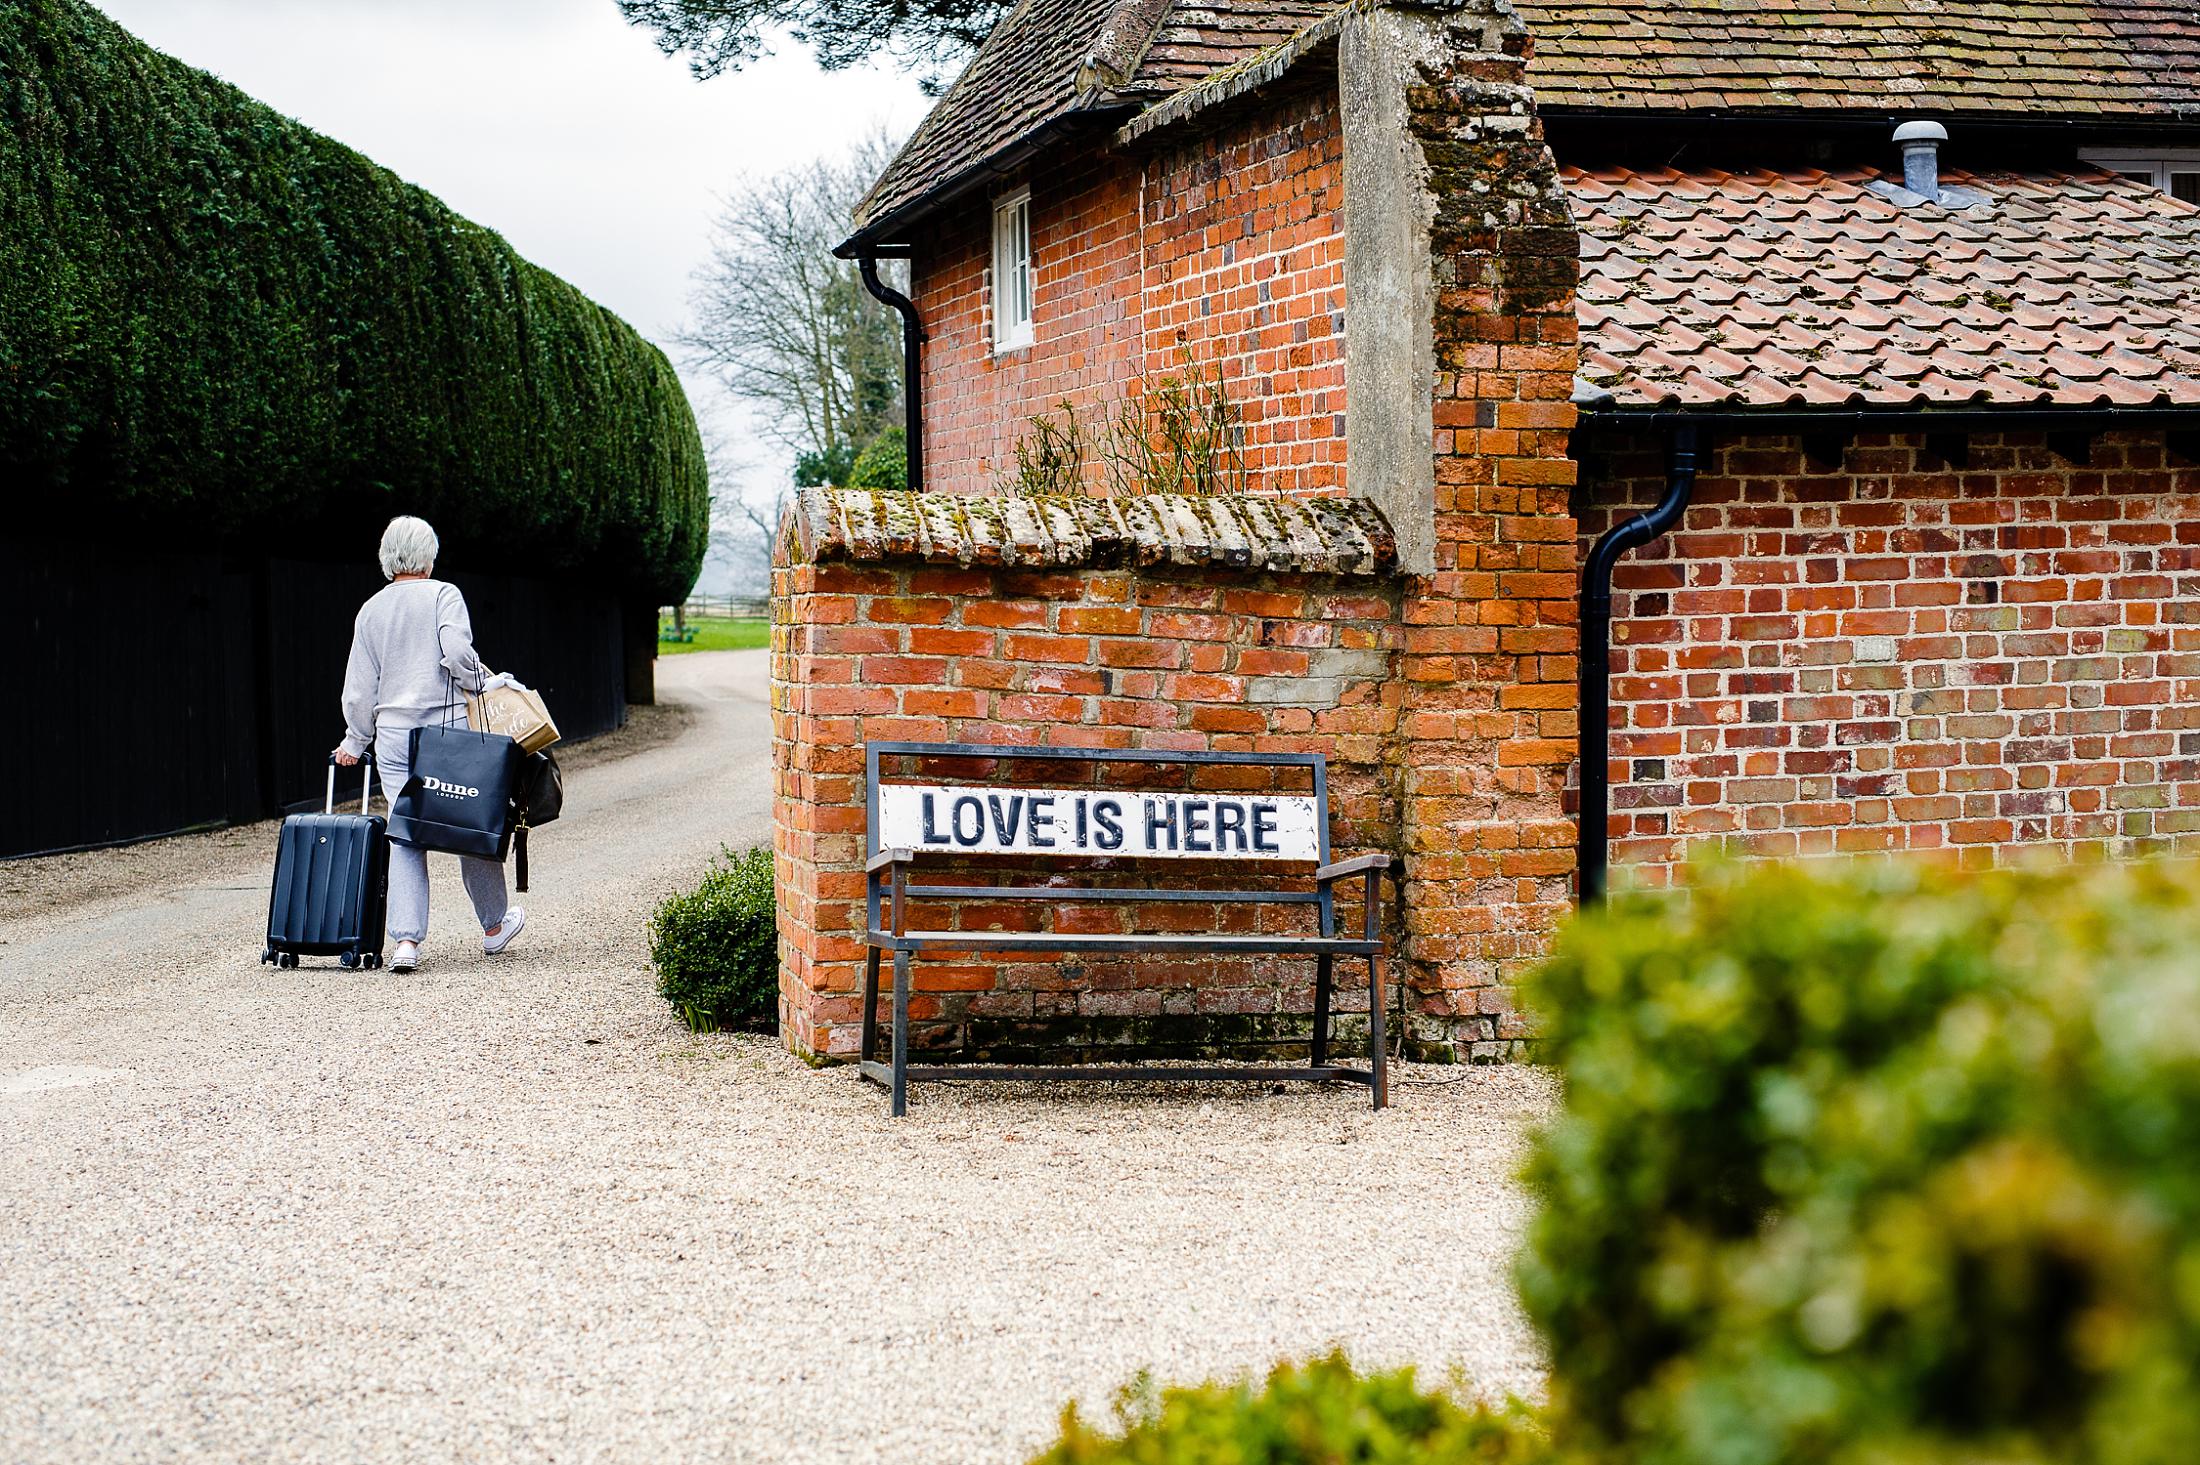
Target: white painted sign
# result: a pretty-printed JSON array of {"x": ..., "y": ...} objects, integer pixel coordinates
[{"x": 1060, "y": 821}]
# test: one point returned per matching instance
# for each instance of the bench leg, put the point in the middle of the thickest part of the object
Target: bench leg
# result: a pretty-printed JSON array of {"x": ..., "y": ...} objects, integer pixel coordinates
[
  {"x": 901, "y": 1033},
  {"x": 1321, "y": 1011},
  {"x": 870, "y": 1004},
  {"x": 1378, "y": 1062}
]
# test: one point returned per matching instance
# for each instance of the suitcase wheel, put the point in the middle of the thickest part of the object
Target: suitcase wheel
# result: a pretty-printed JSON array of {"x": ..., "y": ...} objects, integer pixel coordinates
[
  {"x": 288, "y": 959},
  {"x": 267, "y": 954},
  {"x": 347, "y": 961},
  {"x": 371, "y": 961}
]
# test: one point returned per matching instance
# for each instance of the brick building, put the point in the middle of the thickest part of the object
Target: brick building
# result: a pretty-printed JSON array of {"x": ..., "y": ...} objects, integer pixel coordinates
[{"x": 1498, "y": 279}]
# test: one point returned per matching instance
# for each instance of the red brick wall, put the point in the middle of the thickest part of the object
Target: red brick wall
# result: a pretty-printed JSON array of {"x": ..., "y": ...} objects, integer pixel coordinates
[
  {"x": 1244, "y": 269},
  {"x": 1445, "y": 702},
  {"x": 1220, "y": 249},
  {"x": 1906, "y": 655},
  {"x": 1086, "y": 337},
  {"x": 1176, "y": 660}
]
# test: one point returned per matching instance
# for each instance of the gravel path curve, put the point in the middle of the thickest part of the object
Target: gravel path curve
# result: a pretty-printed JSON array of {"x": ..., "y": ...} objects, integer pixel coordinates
[{"x": 509, "y": 1210}]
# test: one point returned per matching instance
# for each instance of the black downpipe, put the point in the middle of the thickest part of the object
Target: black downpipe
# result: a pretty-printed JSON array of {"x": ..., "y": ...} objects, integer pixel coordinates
[
  {"x": 1596, "y": 654},
  {"x": 912, "y": 365}
]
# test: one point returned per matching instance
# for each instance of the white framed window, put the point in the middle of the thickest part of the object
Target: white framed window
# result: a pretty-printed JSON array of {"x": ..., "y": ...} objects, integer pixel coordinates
[
  {"x": 1013, "y": 275},
  {"x": 2176, "y": 171}
]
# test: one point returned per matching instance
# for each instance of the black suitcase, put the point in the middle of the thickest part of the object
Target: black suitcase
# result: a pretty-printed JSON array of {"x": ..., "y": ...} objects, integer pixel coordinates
[{"x": 332, "y": 882}]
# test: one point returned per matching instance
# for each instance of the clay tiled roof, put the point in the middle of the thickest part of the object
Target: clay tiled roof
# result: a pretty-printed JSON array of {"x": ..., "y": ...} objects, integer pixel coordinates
[
  {"x": 1814, "y": 290},
  {"x": 1197, "y": 40},
  {"x": 1243, "y": 531},
  {"x": 1029, "y": 72},
  {"x": 2060, "y": 58},
  {"x": 1051, "y": 59}
]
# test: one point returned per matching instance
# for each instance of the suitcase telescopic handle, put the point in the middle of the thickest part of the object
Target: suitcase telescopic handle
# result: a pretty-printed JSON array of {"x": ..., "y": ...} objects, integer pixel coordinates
[{"x": 366, "y": 782}]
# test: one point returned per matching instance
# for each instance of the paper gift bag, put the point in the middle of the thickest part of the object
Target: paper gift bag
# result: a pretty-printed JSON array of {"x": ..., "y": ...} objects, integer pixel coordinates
[{"x": 515, "y": 712}]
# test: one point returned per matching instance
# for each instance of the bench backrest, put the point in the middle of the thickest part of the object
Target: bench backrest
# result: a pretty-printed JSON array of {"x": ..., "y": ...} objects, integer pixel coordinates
[
  {"x": 1039, "y": 822},
  {"x": 1043, "y": 822}
]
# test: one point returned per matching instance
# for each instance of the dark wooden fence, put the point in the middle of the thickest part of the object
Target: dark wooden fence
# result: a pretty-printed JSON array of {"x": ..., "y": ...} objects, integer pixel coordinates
[{"x": 143, "y": 693}]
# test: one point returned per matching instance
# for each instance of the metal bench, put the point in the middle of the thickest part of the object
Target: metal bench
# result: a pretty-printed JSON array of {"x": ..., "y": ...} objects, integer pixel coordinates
[{"x": 907, "y": 823}]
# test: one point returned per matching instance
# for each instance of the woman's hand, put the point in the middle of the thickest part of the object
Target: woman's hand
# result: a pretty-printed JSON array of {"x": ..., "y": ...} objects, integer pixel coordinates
[{"x": 344, "y": 759}]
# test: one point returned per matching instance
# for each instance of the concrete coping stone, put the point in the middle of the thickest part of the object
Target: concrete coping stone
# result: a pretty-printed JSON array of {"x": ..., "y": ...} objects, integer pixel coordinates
[{"x": 1240, "y": 531}]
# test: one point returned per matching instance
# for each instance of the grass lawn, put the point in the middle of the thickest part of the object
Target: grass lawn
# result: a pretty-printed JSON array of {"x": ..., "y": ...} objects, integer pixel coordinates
[{"x": 714, "y": 634}]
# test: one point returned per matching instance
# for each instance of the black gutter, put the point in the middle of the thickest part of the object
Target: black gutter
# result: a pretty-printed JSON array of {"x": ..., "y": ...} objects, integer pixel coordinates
[
  {"x": 1877, "y": 117},
  {"x": 1595, "y": 728},
  {"x": 1773, "y": 422},
  {"x": 912, "y": 364}
]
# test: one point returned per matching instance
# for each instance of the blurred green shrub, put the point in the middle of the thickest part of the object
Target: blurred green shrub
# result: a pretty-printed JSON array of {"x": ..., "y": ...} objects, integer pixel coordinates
[
  {"x": 1859, "y": 1165},
  {"x": 1303, "y": 1414},
  {"x": 884, "y": 464},
  {"x": 1875, "y": 1164},
  {"x": 716, "y": 947}
]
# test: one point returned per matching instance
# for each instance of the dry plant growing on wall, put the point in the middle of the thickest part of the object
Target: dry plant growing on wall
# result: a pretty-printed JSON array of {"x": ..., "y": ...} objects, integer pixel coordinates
[
  {"x": 1051, "y": 457},
  {"x": 1179, "y": 433}
]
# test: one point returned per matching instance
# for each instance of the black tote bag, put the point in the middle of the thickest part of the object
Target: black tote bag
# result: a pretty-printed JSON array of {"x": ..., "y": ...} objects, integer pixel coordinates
[
  {"x": 458, "y": 796},
  {"x": 539, "y": 799}
]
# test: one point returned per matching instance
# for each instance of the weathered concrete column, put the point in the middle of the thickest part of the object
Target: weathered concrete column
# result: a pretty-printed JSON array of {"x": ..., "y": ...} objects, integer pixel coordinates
[
  {"x": 1389, "y": 278},
  {"x": 1461, "y": 264}
]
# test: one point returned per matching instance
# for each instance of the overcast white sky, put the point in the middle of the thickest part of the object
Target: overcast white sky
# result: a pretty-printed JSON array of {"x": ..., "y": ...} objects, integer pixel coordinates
[{"x": 551, "y": 121}]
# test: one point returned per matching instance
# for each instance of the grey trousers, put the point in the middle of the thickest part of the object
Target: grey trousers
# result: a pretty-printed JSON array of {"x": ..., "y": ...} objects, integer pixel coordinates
[{"x": 409, "y": 891}]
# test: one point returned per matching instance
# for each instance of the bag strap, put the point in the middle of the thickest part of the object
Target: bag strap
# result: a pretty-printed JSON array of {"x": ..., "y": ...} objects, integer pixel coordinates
[
  {"x": 454, "y": 705},
  {"x": 454, "y": 708}
]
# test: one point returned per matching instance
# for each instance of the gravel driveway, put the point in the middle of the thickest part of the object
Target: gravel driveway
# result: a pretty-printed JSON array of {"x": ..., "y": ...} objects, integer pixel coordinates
[{"x": 509, "y": 1210}]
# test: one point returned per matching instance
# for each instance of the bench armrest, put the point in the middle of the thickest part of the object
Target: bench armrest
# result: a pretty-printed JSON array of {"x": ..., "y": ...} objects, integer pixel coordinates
[
  {"x": 886, "y": 857},
  {"x": 1358, "y": 864}
]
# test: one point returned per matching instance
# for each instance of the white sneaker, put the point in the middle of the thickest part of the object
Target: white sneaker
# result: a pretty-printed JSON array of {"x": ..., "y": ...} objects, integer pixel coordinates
[
  {"x": 514, "y": 922},
  {"x": 406, "y": 958}
]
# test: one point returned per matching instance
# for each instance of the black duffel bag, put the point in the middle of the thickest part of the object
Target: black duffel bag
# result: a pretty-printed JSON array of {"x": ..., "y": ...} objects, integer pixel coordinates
[
  {"x": 538, "y": 800},
  {"x": 458, "y": 793}
]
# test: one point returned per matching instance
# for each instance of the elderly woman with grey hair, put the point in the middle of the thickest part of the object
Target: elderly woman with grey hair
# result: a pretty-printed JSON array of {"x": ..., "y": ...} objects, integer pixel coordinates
[{"x": 412, "y": 653}]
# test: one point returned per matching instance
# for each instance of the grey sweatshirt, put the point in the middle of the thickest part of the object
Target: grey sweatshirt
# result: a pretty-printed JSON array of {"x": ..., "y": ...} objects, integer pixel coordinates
[{"x": 410, "y": 643}]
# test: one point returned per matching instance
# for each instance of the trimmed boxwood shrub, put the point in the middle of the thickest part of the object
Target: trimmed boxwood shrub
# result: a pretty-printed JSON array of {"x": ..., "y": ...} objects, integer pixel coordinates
[
  {"x": 211, "y": 316},
  {"x": 1314, "y": 1413},
  {"x": 716, "y": 947},
  {"x": 1876, "y": 1164}
]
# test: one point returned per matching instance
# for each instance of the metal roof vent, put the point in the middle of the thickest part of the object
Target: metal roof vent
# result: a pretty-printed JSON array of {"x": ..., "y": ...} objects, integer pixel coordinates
[
  {"x": 1921, "y": 185},
  {"x": 1921, "y": 157}
]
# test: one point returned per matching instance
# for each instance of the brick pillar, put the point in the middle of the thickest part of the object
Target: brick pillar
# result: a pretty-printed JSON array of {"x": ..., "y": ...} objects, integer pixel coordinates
[
  {"x": 1488, "y": 660},
  {"x": 817, "y": 773}
]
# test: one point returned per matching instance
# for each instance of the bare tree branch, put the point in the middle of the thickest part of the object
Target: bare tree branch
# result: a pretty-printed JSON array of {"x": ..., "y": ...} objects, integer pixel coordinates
[{"x": 786, "y": 327}]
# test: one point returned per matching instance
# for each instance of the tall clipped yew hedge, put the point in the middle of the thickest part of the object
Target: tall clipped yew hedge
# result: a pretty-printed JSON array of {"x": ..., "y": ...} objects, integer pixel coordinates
[{"x": 212, "y": 317}]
